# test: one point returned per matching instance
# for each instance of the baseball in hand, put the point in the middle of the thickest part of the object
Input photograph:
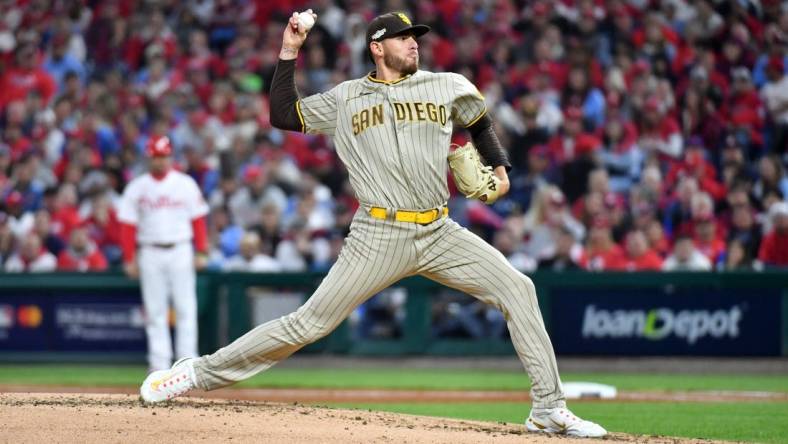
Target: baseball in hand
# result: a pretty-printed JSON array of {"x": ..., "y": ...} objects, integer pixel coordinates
[{"x": 306, "y": 20}]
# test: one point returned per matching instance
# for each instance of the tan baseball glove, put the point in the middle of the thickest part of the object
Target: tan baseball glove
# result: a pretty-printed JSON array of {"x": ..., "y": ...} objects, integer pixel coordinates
[{"x": 474, "y": 179}]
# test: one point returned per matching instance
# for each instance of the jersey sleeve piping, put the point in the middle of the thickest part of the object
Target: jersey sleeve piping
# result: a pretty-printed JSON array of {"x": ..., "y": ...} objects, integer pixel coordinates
[
  {"x": 300, "y": 116},
  {"x": 476, "y": 119}
]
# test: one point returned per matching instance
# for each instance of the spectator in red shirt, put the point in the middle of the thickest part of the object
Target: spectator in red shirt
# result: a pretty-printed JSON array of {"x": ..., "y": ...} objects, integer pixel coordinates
[
  {"x": 104, "y": 229},
  {"x": 25, "y": 76},
  {"x": 545, "y": 67},
  {"x": 774, "y": 247},
  {"x": 655, "y": 38},
  {"x": 601, "y": 251},
  {"x": 65, "y": 215},
  {"x": 15, "y": 139},
  {"x": 696, "y": 165},
  {"x": 81, "y": 254},
  {"x": 659, "y": 132},
  {"x": 638, "y": 257},
  {"x": 563, "y": 145},
  {"x": 701, "y": 209},
  {"x": 743, "y": 106},
  {"x": 200, "y": 57},
  {"x": 655, "y": 234}
]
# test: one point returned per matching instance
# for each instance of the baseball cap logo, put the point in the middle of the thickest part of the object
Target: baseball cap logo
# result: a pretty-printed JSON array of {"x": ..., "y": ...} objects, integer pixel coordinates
[
  {"x": 404, "y": 18},
  {"x": 162, "y": 143},
  {"x": 378, "y": 34}
]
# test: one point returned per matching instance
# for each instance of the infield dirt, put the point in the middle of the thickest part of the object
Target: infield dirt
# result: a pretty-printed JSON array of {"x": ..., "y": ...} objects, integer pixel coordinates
[{"x": 120, "y": 418}]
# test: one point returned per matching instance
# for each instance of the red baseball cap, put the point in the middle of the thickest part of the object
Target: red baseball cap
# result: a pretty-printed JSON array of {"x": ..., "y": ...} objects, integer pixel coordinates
[
  {"x": 14, "y": 198},
  {"x": 252, "y": 172},
  {"x": 587, "y": 143},
  {"x": 158, "y": 146}
]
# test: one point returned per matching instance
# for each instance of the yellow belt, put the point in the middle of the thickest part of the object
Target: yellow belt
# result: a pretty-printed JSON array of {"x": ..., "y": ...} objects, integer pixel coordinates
[{"x": 418, "y": 217}]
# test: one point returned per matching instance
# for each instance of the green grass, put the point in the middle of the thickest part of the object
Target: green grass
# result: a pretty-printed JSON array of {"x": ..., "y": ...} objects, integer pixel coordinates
[
  {"x": 393, "y": 378},
  {"x": 752, "y": 422},
  {"x": 741, "y": 421}
]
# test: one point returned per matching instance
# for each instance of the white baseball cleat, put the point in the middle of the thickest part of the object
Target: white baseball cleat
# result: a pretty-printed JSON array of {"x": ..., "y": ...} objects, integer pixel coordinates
[
  {"x": 561, "y": 420},
  {"x": 163, "y": 385}
]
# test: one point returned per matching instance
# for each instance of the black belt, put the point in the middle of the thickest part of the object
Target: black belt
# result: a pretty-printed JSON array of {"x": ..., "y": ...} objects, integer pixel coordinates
[{"x": 164, "y": 246}]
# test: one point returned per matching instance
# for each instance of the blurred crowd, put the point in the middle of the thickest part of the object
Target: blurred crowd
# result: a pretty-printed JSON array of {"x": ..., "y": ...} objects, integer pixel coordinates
[{"x": 644, "y": 134}]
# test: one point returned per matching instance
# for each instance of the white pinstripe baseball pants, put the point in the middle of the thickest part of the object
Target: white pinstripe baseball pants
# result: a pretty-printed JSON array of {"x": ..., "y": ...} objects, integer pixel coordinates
[{"x": 376, "y": 254}]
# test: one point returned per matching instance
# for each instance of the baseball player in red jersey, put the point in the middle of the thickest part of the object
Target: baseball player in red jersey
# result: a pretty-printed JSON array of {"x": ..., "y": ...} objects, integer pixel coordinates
[{"x": 161, "y": 213}]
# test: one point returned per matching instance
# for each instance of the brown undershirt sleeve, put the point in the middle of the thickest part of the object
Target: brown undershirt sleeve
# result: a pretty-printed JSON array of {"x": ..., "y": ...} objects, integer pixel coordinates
[
  {"x": 486, "y": 141},
  {"x": 284, "y": 114}
]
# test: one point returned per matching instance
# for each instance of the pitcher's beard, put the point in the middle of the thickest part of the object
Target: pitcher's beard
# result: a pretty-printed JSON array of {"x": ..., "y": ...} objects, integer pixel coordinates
[{"x": 401, "y": 64}]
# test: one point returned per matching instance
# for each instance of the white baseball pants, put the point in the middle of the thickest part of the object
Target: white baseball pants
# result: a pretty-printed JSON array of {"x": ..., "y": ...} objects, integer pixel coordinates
[{"x": 167, "y": 275}]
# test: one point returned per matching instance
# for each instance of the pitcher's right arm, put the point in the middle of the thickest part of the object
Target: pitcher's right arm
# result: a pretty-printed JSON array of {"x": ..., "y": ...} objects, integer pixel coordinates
[
  {"x": 315, "y": 114},
  {"x": 284, "y": 97}
]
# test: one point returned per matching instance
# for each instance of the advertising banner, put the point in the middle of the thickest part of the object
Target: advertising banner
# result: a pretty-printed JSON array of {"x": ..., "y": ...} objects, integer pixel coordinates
[
  {"x": 83, "y": 322},
  {"x": 649, "y": 321}
]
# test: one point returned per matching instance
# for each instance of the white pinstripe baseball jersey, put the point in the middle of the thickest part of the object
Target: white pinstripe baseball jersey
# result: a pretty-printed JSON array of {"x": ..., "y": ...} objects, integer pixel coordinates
[{"x": 393, "y": 141}]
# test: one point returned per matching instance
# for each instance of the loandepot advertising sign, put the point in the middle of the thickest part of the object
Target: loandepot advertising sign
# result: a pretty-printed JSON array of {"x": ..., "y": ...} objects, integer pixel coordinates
[
  {"x": 660, "y": 323},
  {"x": 621, "y": 321}
]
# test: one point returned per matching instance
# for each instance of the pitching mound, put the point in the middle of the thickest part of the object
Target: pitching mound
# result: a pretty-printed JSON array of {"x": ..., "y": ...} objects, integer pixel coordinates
[{"x": 110, "y": 418}]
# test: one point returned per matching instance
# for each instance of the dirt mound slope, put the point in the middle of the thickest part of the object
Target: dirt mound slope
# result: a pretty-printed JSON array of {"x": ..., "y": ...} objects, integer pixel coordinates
[{"x": 120, "y": 418}]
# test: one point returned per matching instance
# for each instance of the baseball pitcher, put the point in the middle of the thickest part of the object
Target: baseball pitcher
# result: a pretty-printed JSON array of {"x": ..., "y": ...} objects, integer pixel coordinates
[
  {"x": 161, "y": 212},
  {"x": 392, "y": 130}
]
